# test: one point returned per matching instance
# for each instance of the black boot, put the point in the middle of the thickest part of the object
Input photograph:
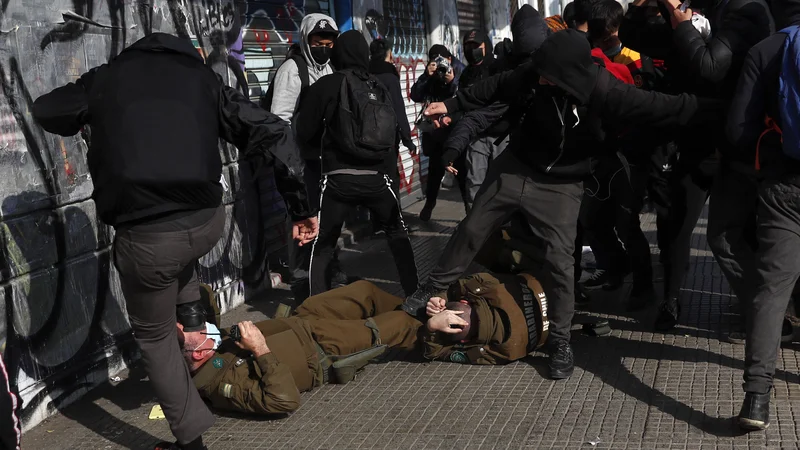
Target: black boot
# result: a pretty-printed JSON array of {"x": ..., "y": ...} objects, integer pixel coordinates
[
  {"x": 196, "y": 444},
  {"x": 562, "y": 361},
  {"x": 755, "y": 412},
  {"x": 427, "y": 210},
  {"x": 668, "y": 315},
  {"x": 641, "y": 297},
  {"x": 416, "y": 302}
]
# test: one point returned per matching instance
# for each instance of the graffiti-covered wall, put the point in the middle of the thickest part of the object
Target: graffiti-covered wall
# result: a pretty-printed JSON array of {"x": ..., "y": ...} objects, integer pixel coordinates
[
  {"x": 63, "y": 326},
  {"x": 403, "y": 22}
]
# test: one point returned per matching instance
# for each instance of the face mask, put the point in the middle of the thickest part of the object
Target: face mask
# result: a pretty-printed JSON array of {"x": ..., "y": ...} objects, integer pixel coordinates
[
  {"x": 321, "y": 55},
  {"x": 212, "y": 332},
  {"x": 475, "y": 56},
  {"x": 612, "y": 52}
]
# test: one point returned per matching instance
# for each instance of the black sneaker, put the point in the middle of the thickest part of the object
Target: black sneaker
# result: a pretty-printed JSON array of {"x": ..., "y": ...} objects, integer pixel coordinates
[
  {"x": 641, "y": 298},
  {"x": 581, "y": 297},
  {"x": 668, "y": 315},
  {"x": 562, "y": 361},
  {"x": 613, "y": 282},
  {"x": 755, "y": 412},
  {"x": 416, "y": 302},
  {"x": 787, "y": 331},
  {"x": 196, "y": 445},
  {"x": 596, "y": 280},
  {"x": 427, "y": 211}
]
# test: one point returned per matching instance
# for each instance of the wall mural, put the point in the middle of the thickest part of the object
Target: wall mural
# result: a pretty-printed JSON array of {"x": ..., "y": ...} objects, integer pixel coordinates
[{"x": 63, "y": 325}]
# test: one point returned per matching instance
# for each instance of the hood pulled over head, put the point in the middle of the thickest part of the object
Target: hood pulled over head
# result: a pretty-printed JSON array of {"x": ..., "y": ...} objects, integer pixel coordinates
[
  {"x": 785, "y": 12},
  {"x": 351, "y": 52},
  {"x": 528, "y": 31},
  {"x": 565, "y": 59},
  {"x": 313, "y": 24}
]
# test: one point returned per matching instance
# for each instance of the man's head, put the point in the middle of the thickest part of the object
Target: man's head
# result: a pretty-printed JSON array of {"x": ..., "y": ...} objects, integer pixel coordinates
[
  {"x": 475, "y": 47},
  {"x": 786, "y": 12},
  {"x": 582, "y": 12},
  {"x": 470, "y": 316},
  {"x": 198, "y": 346},
  {"x": 319, "y": 33},
  {"x": 604, "y": 22},
  {"x": 380, "y": 50},
  {"x": 351, "y": 52},
  {"x": 439, "y": 50}
]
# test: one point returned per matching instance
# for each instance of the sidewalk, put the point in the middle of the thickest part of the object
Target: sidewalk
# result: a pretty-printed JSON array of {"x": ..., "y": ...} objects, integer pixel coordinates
[{"x": 632, "y": 390}]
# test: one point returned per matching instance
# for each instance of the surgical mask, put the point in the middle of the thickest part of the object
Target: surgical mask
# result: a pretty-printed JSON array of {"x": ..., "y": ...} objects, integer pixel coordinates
[
  {"x": 474, "y": 56},
  {"x": 321, "y": 55},
  {"x": 212, "y": 332},
  {"x": 614, "y": 51},
  {"x": 702, "y": 25}
]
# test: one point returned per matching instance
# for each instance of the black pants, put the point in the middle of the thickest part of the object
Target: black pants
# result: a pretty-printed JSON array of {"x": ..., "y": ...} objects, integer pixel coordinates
[
  {"x": 732, "y": 227},
  {"x": 10, "y": 427},
  {"x": 551, "y": 208},
  {"x": 689, "y": 190},
  {"x": 433, "y": 149},
  {"x": 156, "y": 264},
  {"x": 341, "y": 193},
  {"x": 610, "y": 215},
  {"x": 777, "y": 272},
  {"x": 300, "y": 257}
]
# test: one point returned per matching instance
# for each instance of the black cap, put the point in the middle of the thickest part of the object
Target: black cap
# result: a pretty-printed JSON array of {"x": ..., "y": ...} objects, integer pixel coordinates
[
  {"x": 324, "y": 26},
  {"x": 476, "y": 36},
  {"x": 438, "y": 50}
]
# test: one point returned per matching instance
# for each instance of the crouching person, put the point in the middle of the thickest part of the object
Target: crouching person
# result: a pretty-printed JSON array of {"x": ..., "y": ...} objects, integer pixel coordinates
[{"x": 330, "y": 337}]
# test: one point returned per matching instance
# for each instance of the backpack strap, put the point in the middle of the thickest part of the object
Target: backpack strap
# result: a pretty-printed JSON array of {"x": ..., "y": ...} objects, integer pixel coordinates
[{"x": 771, "y": 126}]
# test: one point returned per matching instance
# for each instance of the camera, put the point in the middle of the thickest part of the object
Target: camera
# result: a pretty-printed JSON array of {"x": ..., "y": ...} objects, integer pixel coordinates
[{"x": 443, "y": 67}]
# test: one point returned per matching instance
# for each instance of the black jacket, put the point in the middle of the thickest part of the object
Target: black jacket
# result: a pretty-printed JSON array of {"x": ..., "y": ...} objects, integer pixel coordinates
[
  {"x": 387, "y": 74},
  {"x": 529, "y": 30},
  {"x": 321, "y": 102},
  {"x": 756, "y": 96},
  {"x": 156, "y": 114},
  {"x": 477, "y": 72},
  {"x": 566, "y": 125}
]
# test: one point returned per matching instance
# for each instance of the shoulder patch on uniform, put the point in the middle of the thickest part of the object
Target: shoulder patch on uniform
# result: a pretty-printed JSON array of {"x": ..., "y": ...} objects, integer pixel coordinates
[
  {"x": 218, "y": 362},
  {"x": 458, "y": 357},
  {"x": 225, "y": 390}
]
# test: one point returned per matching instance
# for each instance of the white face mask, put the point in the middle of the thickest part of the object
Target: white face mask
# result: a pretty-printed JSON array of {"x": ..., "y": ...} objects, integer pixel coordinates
[
  {"x": 702, "y": 25},
  {"x": 212, "y": 332}
]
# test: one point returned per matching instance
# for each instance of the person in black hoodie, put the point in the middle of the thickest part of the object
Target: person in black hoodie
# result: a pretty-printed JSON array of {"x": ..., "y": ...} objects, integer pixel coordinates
[
  {"x": 348, "y": 181},
  {"x": 778, "y": 225},
  {"x": 156, "y": 114},
  {"x": 574, "y": 105},
  {"x": 433, "y": 86},
  {"x": 380, "y": 65}
]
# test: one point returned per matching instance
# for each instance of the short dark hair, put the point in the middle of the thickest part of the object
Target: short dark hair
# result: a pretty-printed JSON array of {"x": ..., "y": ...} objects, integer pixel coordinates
[
  {"x": 379, "y": 48},
  {"x": 605, "y": 19},
  {"x": 583, "y": 10}
]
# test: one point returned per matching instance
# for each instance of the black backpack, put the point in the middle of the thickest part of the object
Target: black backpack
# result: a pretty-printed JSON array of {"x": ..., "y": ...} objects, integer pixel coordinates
[
  {"x": 295, "y": 54},
  {"x": 365, "y": 125}
]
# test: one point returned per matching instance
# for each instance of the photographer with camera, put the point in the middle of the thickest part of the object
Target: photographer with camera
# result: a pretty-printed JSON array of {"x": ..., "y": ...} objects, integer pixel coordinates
[{"x": 438, "y": 83}]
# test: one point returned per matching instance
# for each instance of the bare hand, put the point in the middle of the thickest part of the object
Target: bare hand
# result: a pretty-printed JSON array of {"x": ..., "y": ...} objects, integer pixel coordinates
[
  {"x": 436, "y": 109},
  {"x": 679, "y": 16},
  {"x": 431, "y": 68},
  {"x": 305, "y": 230},
  {"x": 435, "y": 306},
  {"x": 446, "y": 320},
  {"x": 451, "y": 169},
  {"x": 252, "y": 339}
]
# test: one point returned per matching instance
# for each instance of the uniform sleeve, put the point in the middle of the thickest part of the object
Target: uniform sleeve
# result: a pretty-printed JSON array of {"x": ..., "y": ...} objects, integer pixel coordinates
[
  {"x": 628, "y": 105},
  {"x": 747, "y": 110},
  {"x": 287, "y": 91},
  {"x": 274, "y": 393},
  {"x": 65, "y": 110},
  {"x": 254, "y": 130}
]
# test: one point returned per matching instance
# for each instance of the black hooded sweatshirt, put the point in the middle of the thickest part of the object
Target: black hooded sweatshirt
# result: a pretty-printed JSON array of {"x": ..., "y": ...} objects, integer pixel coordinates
[
  {"x": 477, "y": 72},
  {"x": 319, "y": 105},
  {"x": 387, "y": 74},
  {"x": 566, "y": 124},
  {"x": 756, "y": 96},
  {"x": 156, "y": 114},
  {"x": 528, "y": 30}
]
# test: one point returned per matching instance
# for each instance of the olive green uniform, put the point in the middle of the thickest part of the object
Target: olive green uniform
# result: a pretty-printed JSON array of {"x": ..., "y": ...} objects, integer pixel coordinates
[
  {"x": 512, "y": 320},
  {"x": 332, "y": 323}
]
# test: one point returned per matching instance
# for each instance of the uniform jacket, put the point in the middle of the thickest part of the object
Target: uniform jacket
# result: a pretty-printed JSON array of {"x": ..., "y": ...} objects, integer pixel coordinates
[
  {"x": 504, "y": 334},
  {"x": 156, "y": 114},
  {"x": 234, "y": 380},
  {"x": 565, "y": 127},
  {"x": 287, "y": 79}
]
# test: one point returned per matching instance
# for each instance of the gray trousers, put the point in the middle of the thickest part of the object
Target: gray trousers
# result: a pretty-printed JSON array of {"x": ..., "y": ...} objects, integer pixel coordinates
[
  {"x": 777, "y": 271},
  {"x": 480, "y": 155},
  {"x": 156, "y": 264},
  {"x": 551, "y": 208}
]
